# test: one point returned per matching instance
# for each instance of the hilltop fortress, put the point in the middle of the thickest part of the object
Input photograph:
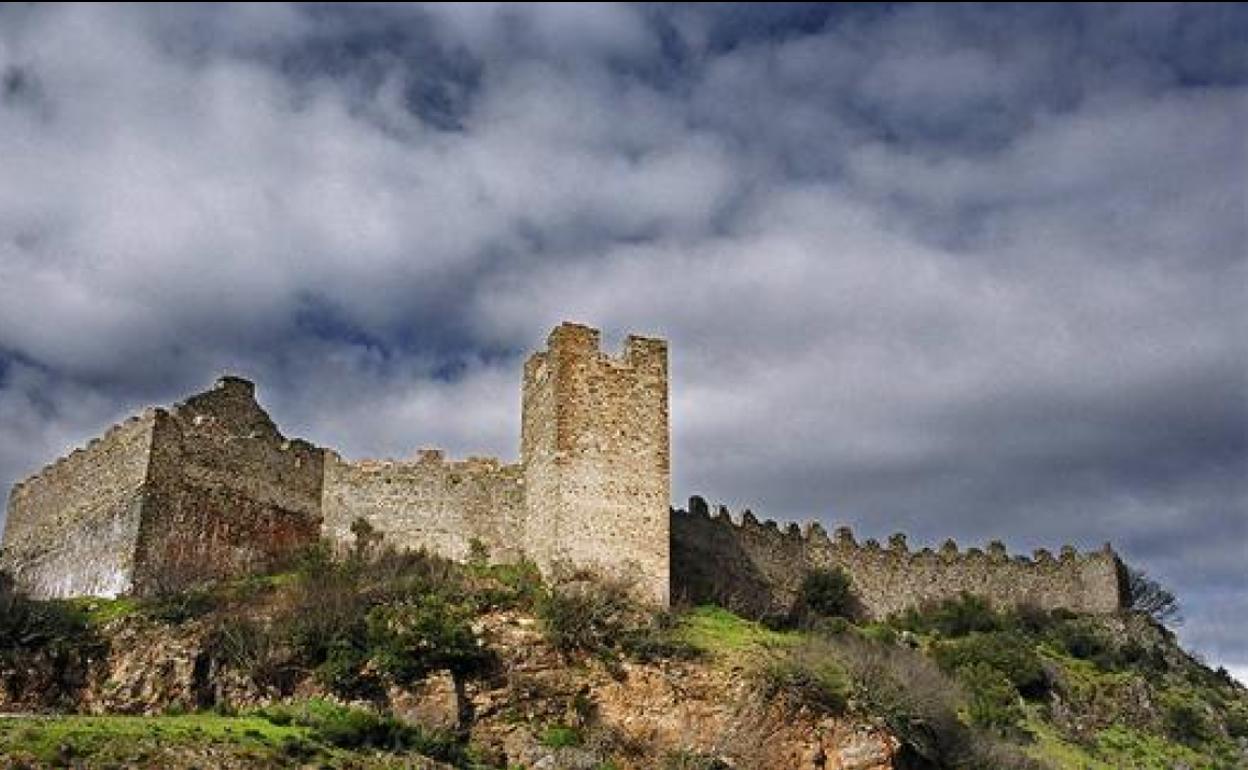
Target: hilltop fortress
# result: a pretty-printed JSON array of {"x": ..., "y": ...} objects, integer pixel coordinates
[{"x": 210, "y": 488}]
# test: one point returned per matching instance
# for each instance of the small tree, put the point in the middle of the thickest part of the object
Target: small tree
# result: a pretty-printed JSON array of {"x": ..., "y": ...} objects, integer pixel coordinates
[{"x": 1150, "y": 597}]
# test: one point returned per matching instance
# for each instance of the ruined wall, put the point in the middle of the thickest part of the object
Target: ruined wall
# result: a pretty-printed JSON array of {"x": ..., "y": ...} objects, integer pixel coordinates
[
  {"x": 227, "y": 493},
  {"x": 758, "y": 568},
  {"x": 71, "y": 528},
  {"x": 428, "y": 503},
  {"x": 595, "y": 452}
]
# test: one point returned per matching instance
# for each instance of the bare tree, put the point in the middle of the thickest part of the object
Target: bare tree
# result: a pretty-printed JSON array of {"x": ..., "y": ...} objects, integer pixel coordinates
[{"x": 1150, "y": 597}]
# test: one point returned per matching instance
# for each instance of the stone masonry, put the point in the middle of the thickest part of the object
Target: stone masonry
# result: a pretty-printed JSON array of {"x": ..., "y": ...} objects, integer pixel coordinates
[
  {"x": 210, "y": 489},
  {"x": 757, "y": 568},
  {"x": 169, "y": 498}
]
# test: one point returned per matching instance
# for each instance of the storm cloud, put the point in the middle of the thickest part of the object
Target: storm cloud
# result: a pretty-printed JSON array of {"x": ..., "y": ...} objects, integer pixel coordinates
[{"x": 959, "y": 271}]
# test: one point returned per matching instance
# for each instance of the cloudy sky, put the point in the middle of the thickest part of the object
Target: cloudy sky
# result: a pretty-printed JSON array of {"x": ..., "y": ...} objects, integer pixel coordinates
[{"x": 962, "y": 271}]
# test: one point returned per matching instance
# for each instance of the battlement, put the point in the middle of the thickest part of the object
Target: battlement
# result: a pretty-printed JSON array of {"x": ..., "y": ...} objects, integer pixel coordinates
[
  {"x": 760, "y": 565},
  {"x": 110, "y": 433},
  {"x": 812, "y": 533},
  {"x": 210, "y": 488},
  {"x": 572, "y": 339}
]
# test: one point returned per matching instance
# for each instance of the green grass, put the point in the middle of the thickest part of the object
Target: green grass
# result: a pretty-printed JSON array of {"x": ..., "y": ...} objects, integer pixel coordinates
[
  {"x": 1123, "y": 747},
  {"x": 100, "y": 612},
  {"x": 124, "y": 739},
  {"x": 719, "y": 632},
  {"x": 560, "y": 736},
  {"x": 1055, "y": 751}
]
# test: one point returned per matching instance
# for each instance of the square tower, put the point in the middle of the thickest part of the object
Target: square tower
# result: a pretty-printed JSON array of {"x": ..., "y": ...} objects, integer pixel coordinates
[{"x": 595, "y": 450}]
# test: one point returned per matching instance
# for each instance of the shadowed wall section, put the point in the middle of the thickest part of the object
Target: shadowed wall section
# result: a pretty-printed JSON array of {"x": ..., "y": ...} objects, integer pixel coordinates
[{"x": 758, "y": 567}]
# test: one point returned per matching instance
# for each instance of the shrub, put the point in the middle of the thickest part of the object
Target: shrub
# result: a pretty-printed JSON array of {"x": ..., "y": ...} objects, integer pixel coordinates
[
  {"x": 351, "y": 728},
  {"x": 408, "y": 640},
  {"x": 992, "y": 701},
  {"x": 588, "y": 616},
  {"x": 968, "y": 614},
  {"x": 1186, "y": 723},
  {"x": 1029, "y": 618},
  {"x": 251, "y": 648},
  {"x": 881, "y": 633},
  {"x": 1010, "y": 653},
  {"x": 518, "y": 585},
  {"x": 917, "y": 701},
  {"x": 344, "y": 670},
  {"x": 810, "y": 674},
  {"x": 825, "y": 593},
  {"x": 378, "y": 615},
  {"x": 1081, "y": 639}
]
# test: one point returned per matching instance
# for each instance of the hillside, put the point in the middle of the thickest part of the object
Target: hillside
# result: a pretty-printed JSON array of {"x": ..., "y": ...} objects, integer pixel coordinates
[{"x": 392, "y": 660}]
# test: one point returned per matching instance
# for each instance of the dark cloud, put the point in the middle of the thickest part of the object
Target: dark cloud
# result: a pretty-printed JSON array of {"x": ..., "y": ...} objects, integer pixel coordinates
[{"x": 973, "y": 271}]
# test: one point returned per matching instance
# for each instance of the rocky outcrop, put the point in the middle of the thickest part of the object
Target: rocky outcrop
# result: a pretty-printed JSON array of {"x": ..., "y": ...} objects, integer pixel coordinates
[{"x": 647, "y": 712}]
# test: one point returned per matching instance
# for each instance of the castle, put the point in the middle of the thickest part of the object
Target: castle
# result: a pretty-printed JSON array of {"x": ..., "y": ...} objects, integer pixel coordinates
[{"x": 210, "y": 488}]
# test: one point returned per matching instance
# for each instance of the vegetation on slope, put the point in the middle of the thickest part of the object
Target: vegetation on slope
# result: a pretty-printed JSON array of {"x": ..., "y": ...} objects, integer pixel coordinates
[{"x": 325, "y": 644}]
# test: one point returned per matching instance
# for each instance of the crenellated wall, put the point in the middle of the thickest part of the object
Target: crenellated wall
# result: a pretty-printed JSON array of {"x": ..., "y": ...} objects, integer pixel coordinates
[
  {"x": 210, "y": 488},
  {"x": 72, "y": 527},
  {"x": 428, "y": 503},
  {"x": 207, "y": 489},
  {"x": 758, "y": 567}
]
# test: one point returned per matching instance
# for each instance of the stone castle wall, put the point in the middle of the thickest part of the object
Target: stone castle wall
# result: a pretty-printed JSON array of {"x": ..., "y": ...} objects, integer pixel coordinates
[
  {"x": 428, "y": 503},
  {"x": 595, "y": 453},
  {"x": 211, "y": 488},
  {"x": 758, "y": 568},
  {"x": 227, "y": 493},
  {"x": 71, "y": 528}
]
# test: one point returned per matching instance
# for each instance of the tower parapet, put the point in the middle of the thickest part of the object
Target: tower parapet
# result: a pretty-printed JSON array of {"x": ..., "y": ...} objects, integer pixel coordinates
[{"x": 595, "y": 452}]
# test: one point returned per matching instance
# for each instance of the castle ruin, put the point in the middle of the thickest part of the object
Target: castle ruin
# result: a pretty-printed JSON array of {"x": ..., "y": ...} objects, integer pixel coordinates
[{"x": 210, "y": 489}]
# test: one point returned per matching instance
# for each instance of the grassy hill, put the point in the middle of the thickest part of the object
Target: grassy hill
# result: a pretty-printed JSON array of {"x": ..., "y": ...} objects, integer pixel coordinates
[{"x": 406, "y": 660}]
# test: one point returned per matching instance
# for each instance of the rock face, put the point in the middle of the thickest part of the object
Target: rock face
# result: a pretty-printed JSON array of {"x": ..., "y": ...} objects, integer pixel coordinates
[
  {"x": 658, "y": 710},
  {"x": 647, "y": 712}
]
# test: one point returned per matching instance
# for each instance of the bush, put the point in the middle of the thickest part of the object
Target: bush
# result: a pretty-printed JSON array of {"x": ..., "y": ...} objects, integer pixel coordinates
[
  {"x": 968, "y": 614},
  {"x": 992, "y": 701},
  {"x": 588, "y": 616},
  {"x": 1082, "y": 639},
  {"x": 249, "y": 647},
  {"x": 810, "y": 674},
  {"x": 516, "y": 586},
  {"x": 378, "y": 615},
  {"x": 917, "y": 701},
  {"x": 1010, "y": 653},
  {"x": 408, "y": 640},
  {"x": 825, "y": 593},
  {"x": 351, "y": 728},
  {"x": 1186, "y": 723}
]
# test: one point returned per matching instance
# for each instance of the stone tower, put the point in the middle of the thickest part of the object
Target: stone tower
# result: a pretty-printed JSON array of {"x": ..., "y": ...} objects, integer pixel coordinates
[{"x": 595, "y": 452}]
